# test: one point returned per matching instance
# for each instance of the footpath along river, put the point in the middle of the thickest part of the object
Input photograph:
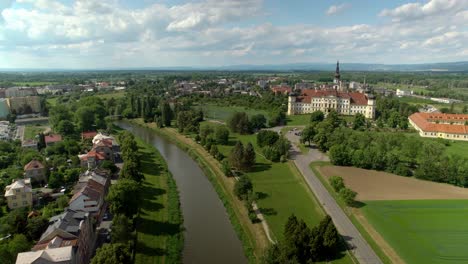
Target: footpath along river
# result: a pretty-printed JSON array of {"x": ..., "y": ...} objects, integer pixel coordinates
[{"x": 209, "y": 236}]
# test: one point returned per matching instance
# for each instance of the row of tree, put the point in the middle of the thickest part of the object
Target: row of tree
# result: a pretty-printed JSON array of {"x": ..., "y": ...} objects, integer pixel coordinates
[
  {"x": 274, "y": 147},
  {"x": 304, "y": 245},
  {"x": 346, "y": 194}
]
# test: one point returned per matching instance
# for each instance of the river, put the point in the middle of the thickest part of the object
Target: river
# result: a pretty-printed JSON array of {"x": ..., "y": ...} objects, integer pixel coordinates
[{"x": 209, "y": 236}]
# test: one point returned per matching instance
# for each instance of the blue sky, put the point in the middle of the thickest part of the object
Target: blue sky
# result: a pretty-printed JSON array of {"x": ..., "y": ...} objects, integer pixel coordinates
[{"x": 159, "y": 33}]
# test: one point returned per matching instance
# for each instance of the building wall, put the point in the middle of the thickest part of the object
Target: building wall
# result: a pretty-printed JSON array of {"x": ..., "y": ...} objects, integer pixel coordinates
[
  {"x": 342, "y": 106},
  {"x": 20, "y": 199},
  {"x": 432, "y": 134},
  {"x": 36, "y": 174},
  {"x": 4, "y": 109},
  {"x": 17, "y": 103}
]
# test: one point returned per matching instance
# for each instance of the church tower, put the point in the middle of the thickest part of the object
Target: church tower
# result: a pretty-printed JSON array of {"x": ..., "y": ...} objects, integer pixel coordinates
[{"x": 337, "y": 73}]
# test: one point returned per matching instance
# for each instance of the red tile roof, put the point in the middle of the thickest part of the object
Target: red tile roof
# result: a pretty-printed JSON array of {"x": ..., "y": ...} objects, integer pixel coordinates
[
  {"x": 355, "y": 98},
  {"x": 88, "y": 134},
  {"x": 33, "y": 164},
  {"x": 281, "y": 89},
  {"x": 427, "y": 122},
  {"x": 53, "y": 138},
  {"x": 96, "y": 155}
]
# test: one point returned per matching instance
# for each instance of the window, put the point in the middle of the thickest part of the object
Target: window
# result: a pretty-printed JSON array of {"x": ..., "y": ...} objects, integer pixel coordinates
[
  {"x": 15, "y": 204},
  {"x": 13, "y": 197},
  {"x": 23, "y": 195},
  {"x": 25, "y": 203}
]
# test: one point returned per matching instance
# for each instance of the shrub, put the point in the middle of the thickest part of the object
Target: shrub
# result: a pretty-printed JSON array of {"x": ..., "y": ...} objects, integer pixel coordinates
[{"x": 337, "y": 183}]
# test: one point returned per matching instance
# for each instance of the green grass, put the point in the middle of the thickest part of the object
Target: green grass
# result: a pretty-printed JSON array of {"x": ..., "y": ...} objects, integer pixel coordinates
[
  {"x": 225, "y": 112},
  {"x": 458, "y": 148},
  {"x": 30, "y": 131},
  {"x": 114, "y": 94},
  {"x": 159, "y": 225},
  {"x": 298, "y": 120},
  {"x": 52, "y": 101},
  {"x": 33, "y": 83},
  {"x": 423, "y": 231}
]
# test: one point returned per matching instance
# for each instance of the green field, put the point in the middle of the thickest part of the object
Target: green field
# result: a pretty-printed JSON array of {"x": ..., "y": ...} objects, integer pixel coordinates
[
  {"x": 30, "y": 131},
  {"x": 33, "y": 83},
  {"x": 224, "y": 112},
  {"x": 454, "y": 147},
  {"x": 423, "y": 231},
  {"x": 52, "y": 101},
  {"x": 159, "y": 233}
]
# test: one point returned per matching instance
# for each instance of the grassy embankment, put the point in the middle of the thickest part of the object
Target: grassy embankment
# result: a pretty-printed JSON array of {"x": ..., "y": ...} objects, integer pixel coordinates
[
  {"x": 159, "y": 225},
  {"x": 377, "y": 249},
  {"x": 280, "y": 187},
  {"x": 423, "y": 231}
]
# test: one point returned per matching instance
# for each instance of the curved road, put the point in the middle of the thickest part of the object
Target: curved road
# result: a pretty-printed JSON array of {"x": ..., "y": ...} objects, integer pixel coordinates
[{"x": 358, "y": 245}]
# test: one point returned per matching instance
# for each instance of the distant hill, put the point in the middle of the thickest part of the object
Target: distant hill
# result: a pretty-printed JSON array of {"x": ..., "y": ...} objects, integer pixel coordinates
[
  {"x": 461, "y": 66},
  {"x": 444, "y": 66}
]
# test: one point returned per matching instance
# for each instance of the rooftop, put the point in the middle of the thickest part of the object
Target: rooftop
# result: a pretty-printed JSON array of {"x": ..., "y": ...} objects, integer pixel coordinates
[
  {"x": 33, "y": 164},
  {"x": 429, "y": 122},
  {"x": 50, "y": 255}
]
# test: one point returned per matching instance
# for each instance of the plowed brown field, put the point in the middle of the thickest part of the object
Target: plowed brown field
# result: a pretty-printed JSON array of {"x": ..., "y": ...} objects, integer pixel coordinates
[{"x": 378, "y": 185}]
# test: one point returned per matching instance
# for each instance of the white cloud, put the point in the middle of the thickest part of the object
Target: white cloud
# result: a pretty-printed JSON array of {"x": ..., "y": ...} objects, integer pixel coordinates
[
  {"x": 336, "y": 9},
  {"x": 102, "y": 33},
  {"x": 432, "y": 8}
]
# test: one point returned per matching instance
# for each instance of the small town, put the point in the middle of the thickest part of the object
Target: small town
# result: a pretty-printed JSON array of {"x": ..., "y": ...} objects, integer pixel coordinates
[{"x": 234, "y": 132}]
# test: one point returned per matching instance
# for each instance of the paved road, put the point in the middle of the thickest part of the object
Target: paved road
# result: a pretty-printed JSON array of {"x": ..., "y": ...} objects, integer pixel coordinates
[{"x": 359, "y": 246}]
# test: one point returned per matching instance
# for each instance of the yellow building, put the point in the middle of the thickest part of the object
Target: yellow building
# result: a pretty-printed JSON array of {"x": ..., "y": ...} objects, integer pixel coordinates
[
  {"x": 19, "y": 194},
  {"x": 25, "y": 105},
  {"x": 438, "y": 125}
]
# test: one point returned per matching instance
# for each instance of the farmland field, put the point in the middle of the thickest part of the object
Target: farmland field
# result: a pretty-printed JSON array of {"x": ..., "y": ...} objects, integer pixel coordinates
[
  {"x": 379, "y": 185},
  {"x": 423, "y": 231}
]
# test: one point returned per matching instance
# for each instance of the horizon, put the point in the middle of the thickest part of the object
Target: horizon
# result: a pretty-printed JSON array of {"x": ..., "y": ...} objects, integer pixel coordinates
[{"x": 92, "y": 34}]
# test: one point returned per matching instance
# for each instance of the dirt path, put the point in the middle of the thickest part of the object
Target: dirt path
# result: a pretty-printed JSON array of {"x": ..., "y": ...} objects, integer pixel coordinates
[
  {"x": 255, "y": 230},
  {"x": 384, "y": 246}
]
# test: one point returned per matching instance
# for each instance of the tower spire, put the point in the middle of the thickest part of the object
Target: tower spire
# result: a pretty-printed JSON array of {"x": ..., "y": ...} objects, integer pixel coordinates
[{"x": 337, "y": 72}]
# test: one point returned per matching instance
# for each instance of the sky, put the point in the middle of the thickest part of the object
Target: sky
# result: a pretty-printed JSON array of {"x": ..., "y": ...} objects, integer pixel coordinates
[{"x": 92, "y": 34}]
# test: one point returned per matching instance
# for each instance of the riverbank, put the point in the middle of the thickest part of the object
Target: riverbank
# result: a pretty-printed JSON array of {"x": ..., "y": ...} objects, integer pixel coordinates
[
  {"x": 253, "y": 238},
  {"x": 159, "y": 223}
]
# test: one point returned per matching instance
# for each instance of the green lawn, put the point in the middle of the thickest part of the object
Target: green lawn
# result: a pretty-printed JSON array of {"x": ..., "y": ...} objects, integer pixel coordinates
[
  {"x": 159, "y": 226},
  {"x": 224, "y": 112},
  {"x": 298, "y": 120},
  {"x": 424, "y": 231},
  {"x": 33, "y": 83},
  {"x": 52, "y": 101},
  {"x": 30, "y": 131},
  {"x": 282, "y": 191},
  {"x": 454, "y": 147}
]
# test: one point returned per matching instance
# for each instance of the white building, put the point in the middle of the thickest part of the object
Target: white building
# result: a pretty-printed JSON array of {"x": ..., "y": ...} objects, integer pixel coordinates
[
  {"x": 345, "y": 103},
  {"x": 401, "y": 93}
]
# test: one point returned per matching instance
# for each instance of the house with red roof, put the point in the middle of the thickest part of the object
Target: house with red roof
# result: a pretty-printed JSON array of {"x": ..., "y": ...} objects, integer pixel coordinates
[
  {"x": 35, "y": 171},
  {"x": 52, "y": 139},
  {"x": 438, "y": 125},
  {"x": 88, "y": 135}
]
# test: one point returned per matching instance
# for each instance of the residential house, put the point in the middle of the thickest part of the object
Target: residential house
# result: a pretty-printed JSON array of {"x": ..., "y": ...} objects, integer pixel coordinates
[
  {"x": 104, "y": 148},
  {"x": 52, "y": 139},
  {"x": 61, "y": 255},
  {"x": 88, "y": 135},
  {"x": 35, "y": 171},
  {"x": 71, "y": 228},
  {"x": 89, "y": 194},
  {"x": 19, "y": 194}
]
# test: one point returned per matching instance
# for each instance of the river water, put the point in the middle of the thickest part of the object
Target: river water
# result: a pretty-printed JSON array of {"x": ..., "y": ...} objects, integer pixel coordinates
[{"x": 209, "y": 236}]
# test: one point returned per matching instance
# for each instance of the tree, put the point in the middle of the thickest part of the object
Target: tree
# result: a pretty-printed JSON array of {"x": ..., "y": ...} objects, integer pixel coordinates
[
  {"x": 65, "y": 128},
  {"x": 109, "y": 165},
  {"x": 123, "y": 197},
  {"x": 258, "y": 121},
  {"x": 121, "y": 229},
  {"x": 35, "y": 227},
  {"x": 226, "y": 168},
  {"x": 112, "y": 254},
  {"x": 236, "y": 156},
  {"x": 166, "y": 114},
  {"x": 359, "y": 121},
  {"x": 337, "y": 183},
  {"x": 55, "y": 179},
  {"x": 242, "y": 187},
  {"x": 84, "y": 118},
  {"x": 348, "y": 195},
  {"x": 131, "y": 170},
  {"x": 308, "y": 135},
  {"x": 214, "y": 151},
  {"x": 317, "y": 116},
  {"x": 222, "y": 135},
  {"x": 266, "y": 138},
  {"x": 8, "y": 251},
  {"x": 339, "y": 155},
  {"x": 248, "y": 160},
  {"x": 41, "y": 144},
  {"x": 239, "y": 123}
]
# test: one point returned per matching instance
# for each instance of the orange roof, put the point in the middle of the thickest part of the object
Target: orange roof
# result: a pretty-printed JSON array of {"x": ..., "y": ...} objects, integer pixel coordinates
[
  {"x": 355, "y": 98},
  {"x": 33, "y": 164},
  {"x": 281, "y": 89},
  {"x": 88, "y": 134},
  {"x": 97, "y": 155},
  {"x": 53, "y": 138},
  {"x": 427, "y": 122}
]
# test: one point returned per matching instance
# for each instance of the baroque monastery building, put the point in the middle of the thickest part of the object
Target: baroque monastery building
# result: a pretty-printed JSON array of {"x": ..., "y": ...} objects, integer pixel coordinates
[
  {"x": 437, "y": 125},
  {"x": 335, "y": 98}
]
